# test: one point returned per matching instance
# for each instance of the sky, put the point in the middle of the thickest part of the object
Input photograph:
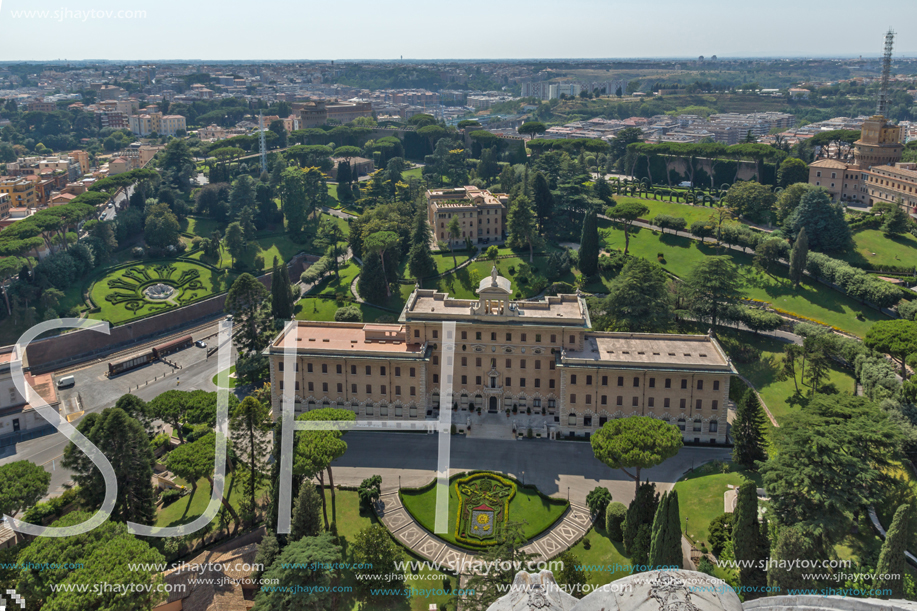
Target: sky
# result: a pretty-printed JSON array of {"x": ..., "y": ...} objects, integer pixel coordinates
[{"x": 437, "y": 29}]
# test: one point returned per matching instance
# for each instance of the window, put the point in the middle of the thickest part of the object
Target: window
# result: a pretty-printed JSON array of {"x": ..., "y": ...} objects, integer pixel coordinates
[
  {"x": 509, "y": 381},
  {"x": 650, "y": 402},
  {"x": 464, "y": 379},
  {"x": 524, "y": 337},
  {"x": 714, "y": 404},
  {"x": 619, "y": 400},
  {"x": 588, "y": 380},
  {"x": 435, "y": 334},
  {"x": 681, "y": 425},
  {"x": 551, "y": 365},
  {"x": 620, "y": 380},
  {"x": 280, "y": 366},
  {"x": 353, "y": 370},
  {"x": 668, "y": 382},
  {"x": 537, "y": 338},
  {"x": 552, "y": 403},
  {"x": 397, "y": 372},
  {"x": 572, "y": 339},
  {"x": 413, "y": 391},
  {"x": 522, "y": 364},
  {"x": 382, "y": 389},
  {"x": 684, "y": 383},
  {"x": 493, "y": 362},
  {"x": 652, "y": 382},
  {"x": 477, "y": 380},
  {"x": 550, "y": 383},
  {"x": 509, "y": 337},
  {"x": 413, "y": 372},
  {"x": 464, "y": 361},
  {"x": 571, "y": 420},
  {"x": 553, "y": 339},
  {"x": 509, "y": 363},
  {"x": 308, "y": 367},
  {"x": 604, "y": 400},
  {"x": 636, "y": 382},
  {"x": 311, "y": 387},
  {"x": 464, "y": 334},
  {"x": 537, "y": 382},
  {"x": 698, "y": 404},
  {"x": 397, "y": 390},
  {"x": 382, "y": 370},
  {"x": 339, "y": 368},
  {"x": 537, "y": 364},
  {"x": 353, "y": 388},
  {"x": 477, "y": 362},
  {"x": 369, "y": 389},
  {"x": 416, "y": 332},
  {"x": 713, "y": 426},
  {"x": 700, "y": 385},
  {"x": 696, "y": 427},
  {"x": 572, "y": 399},
  {"x": 682, "y": 403},
  {"x": 324, "y": 368},
  {"x": 369, "y": 370},
  {"x": 477, "y": 335},
  {"x": 573, "y": 379},
  {"x": 666, "y": 402},
  {"x": 521, "y": 382},
  {"x": 340, "y": 387},
  {"x": 436, "y": 378},
  {"x": 716, "y": 385},
  {"x": 435, "y": 360},
  {"x": 635, "y": 401}
]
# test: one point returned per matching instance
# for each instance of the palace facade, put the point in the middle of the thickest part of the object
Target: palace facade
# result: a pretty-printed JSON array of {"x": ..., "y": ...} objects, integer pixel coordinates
[{"x": 538, "y": 361}]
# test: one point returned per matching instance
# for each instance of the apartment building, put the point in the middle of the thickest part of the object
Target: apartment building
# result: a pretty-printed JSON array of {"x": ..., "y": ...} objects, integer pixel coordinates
[
  {"x": 21, "y": 191},
  {"x": 4, "y": 205},
  {"x": 481, "y": 214},
  {"x": 538, "y": 359},
  {"x": 319, "y": 112},
  {"x": 156, "y": 122}
]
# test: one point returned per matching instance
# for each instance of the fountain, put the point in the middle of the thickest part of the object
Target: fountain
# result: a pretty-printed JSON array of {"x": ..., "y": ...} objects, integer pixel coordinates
[{"x": 159, "y": 292}]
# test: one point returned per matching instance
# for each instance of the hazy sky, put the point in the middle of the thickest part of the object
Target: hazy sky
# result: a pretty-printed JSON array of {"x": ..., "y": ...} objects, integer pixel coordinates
[{"x": 437, "y": 29}]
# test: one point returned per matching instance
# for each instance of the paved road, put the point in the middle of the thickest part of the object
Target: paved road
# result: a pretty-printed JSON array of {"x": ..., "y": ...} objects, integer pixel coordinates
[
  {"x": 97, "y": 392},
  {"x": 553, "y": 466}
]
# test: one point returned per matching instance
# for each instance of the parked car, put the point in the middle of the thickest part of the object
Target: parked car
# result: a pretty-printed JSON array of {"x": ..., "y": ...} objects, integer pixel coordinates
[
  {"x": 66, "y": 381},
  {"x": 200, "y": 343}
]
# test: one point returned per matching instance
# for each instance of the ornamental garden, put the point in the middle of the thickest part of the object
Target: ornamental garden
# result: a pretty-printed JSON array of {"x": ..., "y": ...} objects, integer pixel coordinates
[{"x": 481, "y": 503}]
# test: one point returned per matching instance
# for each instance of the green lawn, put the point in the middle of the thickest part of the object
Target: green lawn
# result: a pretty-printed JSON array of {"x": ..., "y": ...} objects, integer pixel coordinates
[
  {"x": 280, "y": 246},
  {"x": 192, "y": 505},
  {"x": 231, "y": 381},
  {"x": 200, "y": 226},
  {"x": 332, "y": 285},
  {"x": 602, "y": 552},
  {"x": 444, "y": 263},
  {"x": 313, "y": 308},
  {"x": 875, "y": 248},
  {"x": 812, "y": 300},
  {"x": 208, "y": 282},
  {"x": 780, "y": 395},
  {"x": 700, "y": 496},
  {"x": 686, "y": 211},
  {"x": 526, "y": 505}
]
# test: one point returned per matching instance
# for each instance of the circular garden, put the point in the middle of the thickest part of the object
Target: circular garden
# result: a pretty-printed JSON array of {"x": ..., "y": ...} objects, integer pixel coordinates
[
  {"x": 141, "y": 289},
  {"x": 481, "y": 503}
]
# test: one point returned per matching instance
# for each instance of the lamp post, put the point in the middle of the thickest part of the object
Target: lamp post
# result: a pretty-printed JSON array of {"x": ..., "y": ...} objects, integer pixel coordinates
[
  {"x": 686, "y": 526},
  {"x": 568, "y": 494}
]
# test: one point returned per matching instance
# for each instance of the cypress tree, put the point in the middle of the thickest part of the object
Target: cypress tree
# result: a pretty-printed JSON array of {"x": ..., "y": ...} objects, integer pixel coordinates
[
  {"x": 306, "y": 519},
  {"x": 544, "y": 200},
  {"x": 281, "y": 293},
  {"x": 745, "y": 537},
  {"x": 640, "y": 512},
  {"x": 372, "y": 279},
  {"x": 891, "y": 558},
  {"x": 748, "y": 431},
  {"x": 589, "y": 246},
  {"x": 665, "y": 550},
  {"x": 798, "y": 257},
  {"x": 420, "y": 259}
]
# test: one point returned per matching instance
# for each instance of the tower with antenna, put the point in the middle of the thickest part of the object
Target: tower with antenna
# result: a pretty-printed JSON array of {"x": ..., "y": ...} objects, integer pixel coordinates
[
  {"x": 882, "y": 106},
  {"x": 261, "y": 144}
]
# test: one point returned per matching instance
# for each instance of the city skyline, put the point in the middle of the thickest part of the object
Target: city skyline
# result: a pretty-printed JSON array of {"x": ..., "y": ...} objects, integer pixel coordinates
[{"x": 586, "y": 30}]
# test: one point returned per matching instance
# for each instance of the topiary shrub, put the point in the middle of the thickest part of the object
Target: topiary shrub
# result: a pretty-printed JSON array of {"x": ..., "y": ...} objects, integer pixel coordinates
[
  {"x": 170, "y": 496},
  {"x": 614, "y": 520}
]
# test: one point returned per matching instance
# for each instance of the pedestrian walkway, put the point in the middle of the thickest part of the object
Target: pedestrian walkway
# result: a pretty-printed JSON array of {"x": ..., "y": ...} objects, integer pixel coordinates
[{"x": 564, "y": 534}]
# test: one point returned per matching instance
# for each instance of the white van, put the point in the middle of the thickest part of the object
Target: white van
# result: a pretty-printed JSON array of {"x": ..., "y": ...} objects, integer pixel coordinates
[{"x": 66, "y": 381}]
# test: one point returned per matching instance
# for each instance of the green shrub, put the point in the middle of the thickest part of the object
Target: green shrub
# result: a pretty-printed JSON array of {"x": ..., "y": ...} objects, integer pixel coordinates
[
  {"x": 614, "y": 520},
  {"x": 170, "y": 496}
]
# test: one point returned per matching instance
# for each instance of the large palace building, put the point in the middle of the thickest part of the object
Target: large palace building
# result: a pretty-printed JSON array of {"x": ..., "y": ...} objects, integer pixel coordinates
[
  {"x": 481, "y": 214},
  {"x": 532, "y": 364}
]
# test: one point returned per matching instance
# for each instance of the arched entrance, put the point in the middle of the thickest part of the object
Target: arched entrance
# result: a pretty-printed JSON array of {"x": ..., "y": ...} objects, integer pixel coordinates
[{"x": 492, "y": 406}]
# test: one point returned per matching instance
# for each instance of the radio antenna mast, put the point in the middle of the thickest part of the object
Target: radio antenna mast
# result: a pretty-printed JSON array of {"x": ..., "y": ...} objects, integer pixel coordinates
[{"x": 882, "y": 106}]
